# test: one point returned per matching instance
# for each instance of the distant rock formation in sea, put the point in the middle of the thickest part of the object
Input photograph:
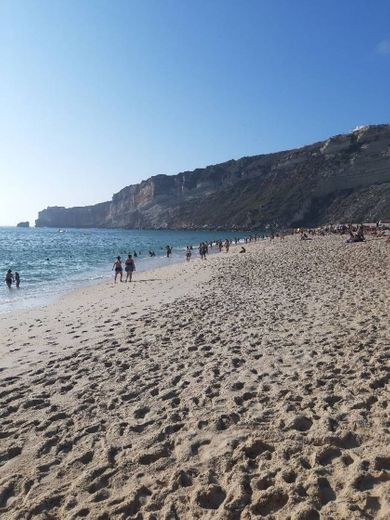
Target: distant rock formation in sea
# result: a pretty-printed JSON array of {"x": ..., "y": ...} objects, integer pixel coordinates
[
  {"x": 23, "y": 224},
  {"x": 343, "y": 179}
]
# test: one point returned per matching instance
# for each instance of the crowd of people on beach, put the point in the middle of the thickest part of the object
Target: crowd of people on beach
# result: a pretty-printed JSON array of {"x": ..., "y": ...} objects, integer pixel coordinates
[
  {"x": 204, "y": 249},
  {"x": 356, "y": 233}
]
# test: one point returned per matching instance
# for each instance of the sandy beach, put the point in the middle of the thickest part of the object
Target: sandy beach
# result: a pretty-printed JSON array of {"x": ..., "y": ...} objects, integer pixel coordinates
[{"x": 246, "y": 386}]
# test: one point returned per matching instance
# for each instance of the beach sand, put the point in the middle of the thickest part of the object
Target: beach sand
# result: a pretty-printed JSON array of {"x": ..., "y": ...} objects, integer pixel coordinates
[{"x": 247, "y": 386}]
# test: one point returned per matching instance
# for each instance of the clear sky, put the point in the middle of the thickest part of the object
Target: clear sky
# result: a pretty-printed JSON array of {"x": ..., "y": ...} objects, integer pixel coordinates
[{"x": 96, "y": 95}]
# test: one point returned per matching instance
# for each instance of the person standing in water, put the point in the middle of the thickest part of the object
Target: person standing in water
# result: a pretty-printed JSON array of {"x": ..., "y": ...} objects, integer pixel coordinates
[
  {"x": 129, "y": 268},
  {"x": 188, "y": 254},
  {"x": 17, "y": 280},
  {"x": 118, "y": 268},
  {"x": 9, "y": 278}
]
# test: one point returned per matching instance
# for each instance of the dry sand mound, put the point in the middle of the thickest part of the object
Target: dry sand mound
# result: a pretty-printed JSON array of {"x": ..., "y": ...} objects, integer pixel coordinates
[{"x": 257, "y": 387}]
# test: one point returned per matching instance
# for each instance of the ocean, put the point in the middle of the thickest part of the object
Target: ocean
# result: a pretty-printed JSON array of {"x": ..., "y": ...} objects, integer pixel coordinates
[{"x": 52, "y": 262}]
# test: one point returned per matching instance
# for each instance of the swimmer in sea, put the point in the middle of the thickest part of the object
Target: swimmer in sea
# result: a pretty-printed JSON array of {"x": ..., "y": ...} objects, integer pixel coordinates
[
  {"x": 118, "y": 268},
  {"x": 17, "y": 280},
  {"x": 9, "y": 278}
]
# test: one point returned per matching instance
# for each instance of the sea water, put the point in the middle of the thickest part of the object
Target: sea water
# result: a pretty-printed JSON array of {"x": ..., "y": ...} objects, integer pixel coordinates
[{"x": 54, "y": 261}]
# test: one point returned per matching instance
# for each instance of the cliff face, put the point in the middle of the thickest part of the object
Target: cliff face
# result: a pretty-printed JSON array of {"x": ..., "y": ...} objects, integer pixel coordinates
[{"x": 346, "y": 178}]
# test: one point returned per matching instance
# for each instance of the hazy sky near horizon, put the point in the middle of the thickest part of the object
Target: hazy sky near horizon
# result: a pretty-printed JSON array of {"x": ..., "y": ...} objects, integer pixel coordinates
[{"x": 96, "y": 95}]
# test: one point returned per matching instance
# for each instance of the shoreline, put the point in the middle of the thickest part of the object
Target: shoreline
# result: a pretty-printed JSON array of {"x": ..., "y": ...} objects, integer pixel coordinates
[
  {"x": 245, "y": 386},
  {"x": 102, "y": 279},
  {"x": 63, "y": 303},
  {"x": 37, "y": 290},
  {"x": 28, "y": 297}
]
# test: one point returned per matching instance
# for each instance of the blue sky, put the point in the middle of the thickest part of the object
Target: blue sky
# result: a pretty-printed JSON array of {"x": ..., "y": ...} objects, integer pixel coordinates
[{"x": 96, "y": 95}]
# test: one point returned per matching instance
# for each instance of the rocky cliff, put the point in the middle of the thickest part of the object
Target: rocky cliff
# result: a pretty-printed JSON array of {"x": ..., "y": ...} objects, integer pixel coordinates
[{"x": 345, "y": 178}]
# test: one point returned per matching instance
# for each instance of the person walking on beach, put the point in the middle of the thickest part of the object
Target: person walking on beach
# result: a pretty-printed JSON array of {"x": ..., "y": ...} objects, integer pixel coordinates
[
  {"x": 118, "y": 268},
  {"x": 188, "y": 254},
  {"x": 169, "y": 251},
  {"x": 227, "y": 245},
  {"x": 129, "y": 268},
  {"x": 17, "y": 280},
  {"x": 9, "y": 278}
]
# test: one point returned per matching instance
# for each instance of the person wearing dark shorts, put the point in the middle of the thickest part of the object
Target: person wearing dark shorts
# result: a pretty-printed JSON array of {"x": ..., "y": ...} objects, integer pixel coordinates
[
  {"x": 118, "y": 268},
  {"x": 129, "y": 268}
]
